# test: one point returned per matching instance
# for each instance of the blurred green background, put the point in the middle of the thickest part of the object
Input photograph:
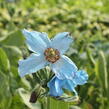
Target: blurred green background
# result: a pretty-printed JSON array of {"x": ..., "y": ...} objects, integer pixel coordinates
[{"x": 87, "y": 20}]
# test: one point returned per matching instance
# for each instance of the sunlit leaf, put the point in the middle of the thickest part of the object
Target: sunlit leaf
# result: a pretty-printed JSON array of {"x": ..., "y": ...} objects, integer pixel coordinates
[
  {"x": 4, "y": 62},
  {"x": 26, "y": 97}
]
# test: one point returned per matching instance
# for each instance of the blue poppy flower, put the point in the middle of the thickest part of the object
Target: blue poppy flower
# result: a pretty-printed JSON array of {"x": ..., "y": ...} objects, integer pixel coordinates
[
  {"x": 57, "y": 85},
  {"x": 48, "y": 52}
]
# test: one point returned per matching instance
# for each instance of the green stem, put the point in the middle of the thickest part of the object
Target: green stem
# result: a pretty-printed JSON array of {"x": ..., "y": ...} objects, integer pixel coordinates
[
  {"x": 56, "y": 104},
  {"x": 63, "y": 105},
  {"x": 48, "y": 102}
]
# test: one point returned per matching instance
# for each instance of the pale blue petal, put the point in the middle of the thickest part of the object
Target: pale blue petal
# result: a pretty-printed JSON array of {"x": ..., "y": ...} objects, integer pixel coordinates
[
  {"x": 70, "y": 85},
  {"x": 36, "y": 41},
  {"x": 81, "y": 77},
  {"x": 59, "y": 84},
  {"x": 52, "y": 89},
  {"x": 62, "y": 42},
  {"x": 55, "y": 87},
  {"x": 64, "y": 68},
  {"x": 32, "y": 64}
]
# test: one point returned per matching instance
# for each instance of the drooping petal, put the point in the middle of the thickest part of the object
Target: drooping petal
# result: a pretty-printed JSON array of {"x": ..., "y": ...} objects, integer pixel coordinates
[
  {"x": 81, "y": 77},
  {"x": 59, "y": 84},
  {"x": 55, "y": 87},
  {"x": 32, "y": 64},
  {"x": 64, "y": 68},
  {"x": 62, "y": 42},
  {"x": 70, "y": 85},
  {"x": 36, "y": 41}
]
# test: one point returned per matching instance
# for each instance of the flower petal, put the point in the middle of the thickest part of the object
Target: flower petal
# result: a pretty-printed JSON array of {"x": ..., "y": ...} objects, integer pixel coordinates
[
  {"x": 36, "y": 41},
  {"x": 32, "y": 64},
  {"x": 62, "y": 42},
  {"x": 55, "y": 87},
  {"x": 70, "y": 85},
  {"x": 64, "y": 68},
  {"x": 81, "y": 77}
]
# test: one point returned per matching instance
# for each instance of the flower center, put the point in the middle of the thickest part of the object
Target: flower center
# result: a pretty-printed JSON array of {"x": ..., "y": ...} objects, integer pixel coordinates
[{"x": 52, "y": 55}]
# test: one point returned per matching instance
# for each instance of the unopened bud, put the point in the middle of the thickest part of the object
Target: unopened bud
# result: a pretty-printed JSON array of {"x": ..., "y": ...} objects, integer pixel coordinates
[{"x": 33, "y": 97}]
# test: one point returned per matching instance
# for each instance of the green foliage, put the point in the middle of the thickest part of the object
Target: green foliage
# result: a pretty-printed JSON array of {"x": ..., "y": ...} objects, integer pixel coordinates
[
  {"x": 87, "y": 20},
  {"x": 54, "y": 104},
  {"x": 4, "y": 62}
]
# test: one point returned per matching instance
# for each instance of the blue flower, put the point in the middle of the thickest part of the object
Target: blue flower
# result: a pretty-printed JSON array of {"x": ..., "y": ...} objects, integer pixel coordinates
[
  {"x": 48, "y": 52},
  {"x": 57, "y": 85}
]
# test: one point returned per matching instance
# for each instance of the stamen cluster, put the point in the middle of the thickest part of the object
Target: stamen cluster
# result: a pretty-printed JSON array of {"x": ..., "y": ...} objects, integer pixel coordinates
[{"x": 52, "y": 55}]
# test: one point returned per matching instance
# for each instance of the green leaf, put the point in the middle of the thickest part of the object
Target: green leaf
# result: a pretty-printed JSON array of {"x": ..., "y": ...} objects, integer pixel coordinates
[
  {"x": 26, "y": 97},
  {"x": 56, "y": 104},
  {"x": 13, "y": 53},
  {"x": 5, "y": 94},
  {"x": 52, "y": 103},
  {"x": 102, "y": 72},
  {"x": 75, "y": 107},
  {"x": 63, "y": 105},
  {"x": 90, "y": 57},
  {"x": 4, "y": 62},
  {"x": 17, "y": 102},
  {"x": 14, "y": 39}
]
